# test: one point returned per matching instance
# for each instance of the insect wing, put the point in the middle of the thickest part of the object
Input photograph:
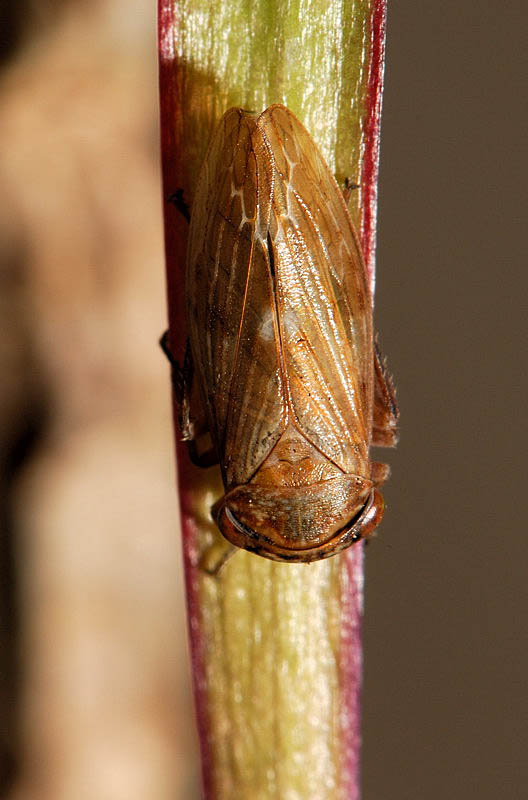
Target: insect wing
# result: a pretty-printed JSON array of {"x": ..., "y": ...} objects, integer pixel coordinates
[
  {"x": 230, "y": 305},
  {"x": 323, "y": 299}
]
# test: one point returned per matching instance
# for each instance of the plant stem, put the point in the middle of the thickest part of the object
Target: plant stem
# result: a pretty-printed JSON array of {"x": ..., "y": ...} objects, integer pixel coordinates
[{"x": 276, "y": 648}]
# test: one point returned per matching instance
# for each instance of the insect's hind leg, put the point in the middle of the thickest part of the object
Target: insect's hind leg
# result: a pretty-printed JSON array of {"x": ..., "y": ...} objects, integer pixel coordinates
[
  {"x": 379, "y": 472},
  {"x": 191, "y": 426},
  {"x": 385, "y": 417},
  {"x": 386, "y": 413},
  {"x": 181, "y": 376}
]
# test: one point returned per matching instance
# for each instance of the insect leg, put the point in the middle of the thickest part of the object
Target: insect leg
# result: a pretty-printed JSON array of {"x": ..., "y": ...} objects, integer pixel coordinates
[
  {"x": 379, "y": 472},
  {"x": 215, "y": 557},
  {"x": 181, "y": 377},
  {"x": 192, "y": 425},
  {"x": 386, "y": 414}
]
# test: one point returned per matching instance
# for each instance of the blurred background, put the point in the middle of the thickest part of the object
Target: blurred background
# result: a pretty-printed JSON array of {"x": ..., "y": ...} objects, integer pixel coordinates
[
  {"x": 94, "y": 689},
  {"x": 94, "y": 686}
]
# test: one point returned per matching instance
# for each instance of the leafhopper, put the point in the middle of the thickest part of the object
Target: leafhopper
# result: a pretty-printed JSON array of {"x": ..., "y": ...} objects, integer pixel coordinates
[{"x": 282, "y": 370}]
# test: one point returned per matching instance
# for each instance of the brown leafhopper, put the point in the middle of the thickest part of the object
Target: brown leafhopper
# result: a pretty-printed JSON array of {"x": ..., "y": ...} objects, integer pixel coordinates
[{"x": 282, "y": 369}]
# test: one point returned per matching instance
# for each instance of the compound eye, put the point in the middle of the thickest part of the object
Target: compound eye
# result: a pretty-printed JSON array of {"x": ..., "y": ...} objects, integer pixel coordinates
[
  {"x": 239, "y": 525},
  {"x": 372, "y": 516},
  {"x": 232, "y": 528}
]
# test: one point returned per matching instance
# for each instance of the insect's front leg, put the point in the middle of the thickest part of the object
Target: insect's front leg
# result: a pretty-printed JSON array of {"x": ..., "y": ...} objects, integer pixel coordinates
[{"x": 216, "y": 556}]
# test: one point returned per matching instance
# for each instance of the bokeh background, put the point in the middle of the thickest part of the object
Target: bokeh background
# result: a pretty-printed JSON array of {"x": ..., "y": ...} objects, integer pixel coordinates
[{"x": 94, "y": 684}]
